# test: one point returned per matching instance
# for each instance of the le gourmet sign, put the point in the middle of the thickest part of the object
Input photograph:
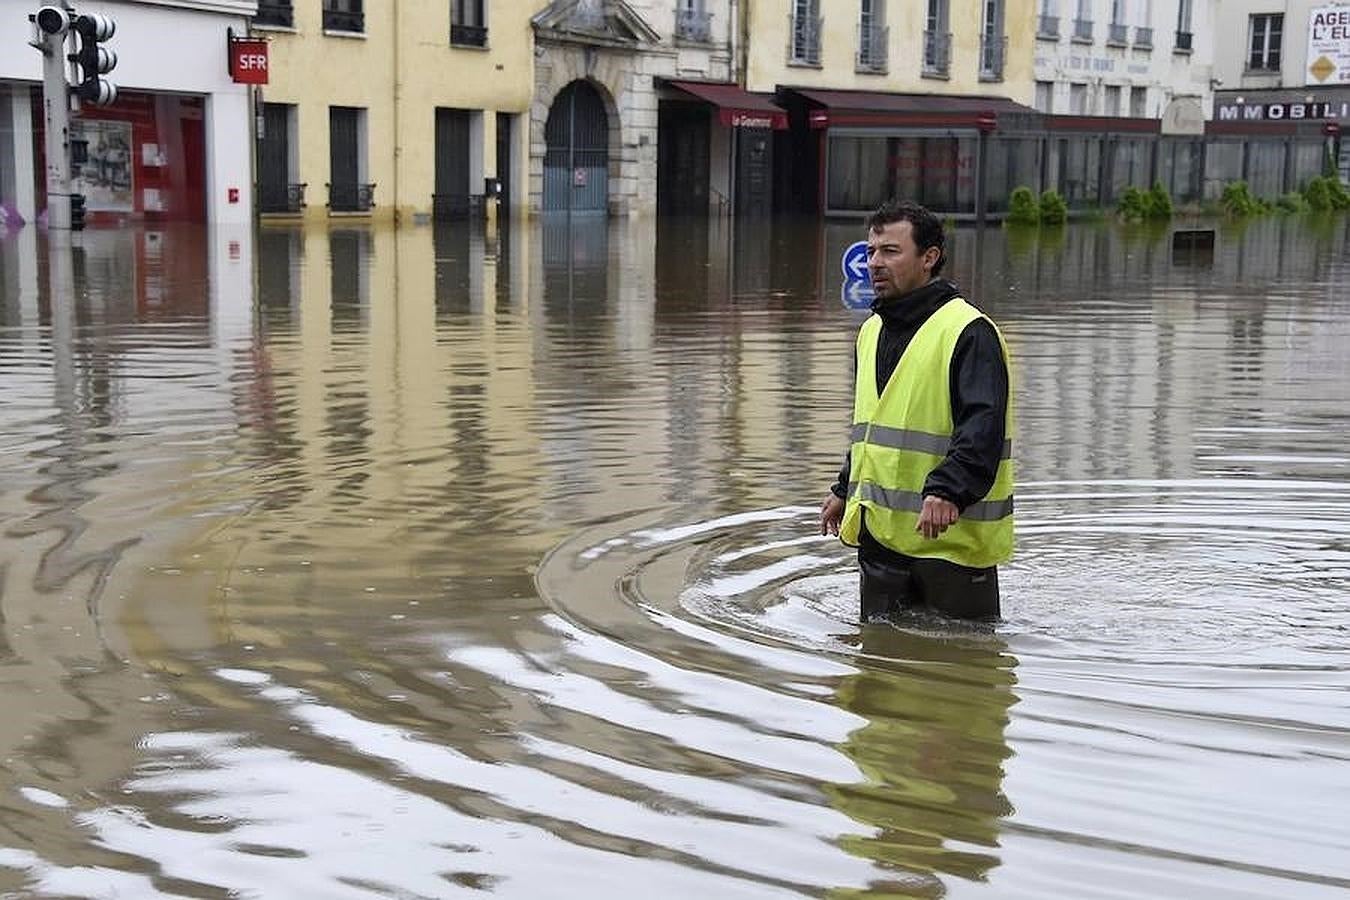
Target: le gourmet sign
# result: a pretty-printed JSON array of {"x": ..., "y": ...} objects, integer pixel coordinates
[{"x": 1329, "y": 45}]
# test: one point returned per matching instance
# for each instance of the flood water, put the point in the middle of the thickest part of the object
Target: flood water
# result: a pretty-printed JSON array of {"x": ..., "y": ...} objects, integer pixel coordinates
[{"x": 418, "y": 563}]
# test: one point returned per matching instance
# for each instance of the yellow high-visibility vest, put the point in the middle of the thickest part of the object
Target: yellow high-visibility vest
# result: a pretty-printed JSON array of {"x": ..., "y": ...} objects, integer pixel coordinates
[{"x": 900, "y": 436}]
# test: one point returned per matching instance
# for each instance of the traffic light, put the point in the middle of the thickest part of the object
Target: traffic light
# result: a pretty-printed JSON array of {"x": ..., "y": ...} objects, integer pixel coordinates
[
  {"x": 52, "y": 20},
  {"x": 94, "y": 59},
  {"x": 77, "y": 212}
]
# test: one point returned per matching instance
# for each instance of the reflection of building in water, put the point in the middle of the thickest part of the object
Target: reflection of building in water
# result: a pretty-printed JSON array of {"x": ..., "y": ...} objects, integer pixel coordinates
[{"x": 932, "y": 751}]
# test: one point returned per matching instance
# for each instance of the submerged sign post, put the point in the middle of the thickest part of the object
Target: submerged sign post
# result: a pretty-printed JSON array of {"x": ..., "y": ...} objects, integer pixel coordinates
[{"x": 856, "y": 292}]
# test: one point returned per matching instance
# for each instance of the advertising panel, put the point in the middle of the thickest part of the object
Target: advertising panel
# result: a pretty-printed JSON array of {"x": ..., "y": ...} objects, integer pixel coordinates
[{"x": 1328, "y": 45}]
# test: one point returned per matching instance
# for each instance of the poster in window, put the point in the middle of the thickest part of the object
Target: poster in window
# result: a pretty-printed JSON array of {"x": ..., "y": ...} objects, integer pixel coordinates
[{"x": 105, "y": 177}]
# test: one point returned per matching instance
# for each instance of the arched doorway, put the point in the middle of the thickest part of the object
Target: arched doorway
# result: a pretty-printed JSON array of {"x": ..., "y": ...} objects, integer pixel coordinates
[{"x": 576, "y": 155}]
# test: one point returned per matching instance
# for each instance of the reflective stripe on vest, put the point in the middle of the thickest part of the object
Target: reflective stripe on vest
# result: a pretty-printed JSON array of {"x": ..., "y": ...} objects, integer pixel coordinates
[{"x": 901, "y": 435}]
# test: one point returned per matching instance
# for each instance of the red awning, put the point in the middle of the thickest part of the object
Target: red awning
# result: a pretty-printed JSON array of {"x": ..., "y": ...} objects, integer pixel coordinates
[
  {"x": 736, "y": 107},
  {"x": 913, "y": 110}
]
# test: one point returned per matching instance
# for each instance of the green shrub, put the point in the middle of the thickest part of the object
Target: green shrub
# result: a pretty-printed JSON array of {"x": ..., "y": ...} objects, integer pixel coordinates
[
  {"x": 1159, "y": 202},
  {"x": 1022, "y": 209},
  {"x": 1340, "y": 198},
  {"x": 1054, "y": 211},
  {"x": 1238, "y": 201},
  {"x": 1133, "y": 204},
  {"x": 1292, "y": 202},
  {"x": 1318, "y": 195}
]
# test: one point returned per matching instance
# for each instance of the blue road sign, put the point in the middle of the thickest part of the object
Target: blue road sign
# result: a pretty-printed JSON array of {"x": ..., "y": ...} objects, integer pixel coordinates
[
  {"x": 854, "y": 262},
  {"x": 856, "y": 294}
]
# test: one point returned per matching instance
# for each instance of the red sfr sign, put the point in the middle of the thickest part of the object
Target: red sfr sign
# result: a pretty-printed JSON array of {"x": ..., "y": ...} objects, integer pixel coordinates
[{"x": 248, "y": 61}]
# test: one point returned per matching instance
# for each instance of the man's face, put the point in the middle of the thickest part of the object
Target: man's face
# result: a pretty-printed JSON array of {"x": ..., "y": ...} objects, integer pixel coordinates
[{"x": 896, "y": 265}]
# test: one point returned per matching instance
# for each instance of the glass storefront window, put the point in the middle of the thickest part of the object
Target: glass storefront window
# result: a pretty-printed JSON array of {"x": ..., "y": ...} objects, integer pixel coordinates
[{"x": 935, "y": 170}]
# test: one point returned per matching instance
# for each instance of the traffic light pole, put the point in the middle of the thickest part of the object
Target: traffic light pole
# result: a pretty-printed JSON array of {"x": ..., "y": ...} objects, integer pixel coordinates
[{"x": 56, "y": 110}]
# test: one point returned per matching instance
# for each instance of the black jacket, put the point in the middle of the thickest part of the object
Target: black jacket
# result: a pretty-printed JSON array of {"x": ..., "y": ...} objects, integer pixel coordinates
[{"x": 979, "y": 388}]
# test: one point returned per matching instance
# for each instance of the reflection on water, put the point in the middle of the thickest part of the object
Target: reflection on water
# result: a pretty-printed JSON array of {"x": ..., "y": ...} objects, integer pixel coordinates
[{"x": 491, "y": 553}]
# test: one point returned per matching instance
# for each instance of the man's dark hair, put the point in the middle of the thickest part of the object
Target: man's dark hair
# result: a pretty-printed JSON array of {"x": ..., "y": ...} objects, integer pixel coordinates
[{"x": 927, "y": 227}]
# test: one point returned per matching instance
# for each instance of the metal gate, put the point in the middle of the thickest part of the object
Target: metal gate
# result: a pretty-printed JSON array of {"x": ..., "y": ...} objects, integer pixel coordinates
[
  {"x": 451, "y": 199},
  {"x": 576, "y": 158}
]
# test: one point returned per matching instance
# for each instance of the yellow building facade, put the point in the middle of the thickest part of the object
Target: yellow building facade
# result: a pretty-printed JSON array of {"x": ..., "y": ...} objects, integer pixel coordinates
[
  {"x": 395, "y": 109},
  {"x": 949, "y": 47}
]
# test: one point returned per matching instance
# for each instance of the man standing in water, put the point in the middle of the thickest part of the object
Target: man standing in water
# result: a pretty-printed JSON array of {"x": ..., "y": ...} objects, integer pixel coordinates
[{"x": 926, "y": 491}]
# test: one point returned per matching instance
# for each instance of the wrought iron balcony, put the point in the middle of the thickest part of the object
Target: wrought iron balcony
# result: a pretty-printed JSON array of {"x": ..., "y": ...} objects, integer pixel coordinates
[
  {"x": 281, "y": 198},
  {"x": 468, "y": 36},
  {"x": 993, "y": 52},
  {"x": 351, "y": 197},
  {"x": 693, "y": 25},
  {"x": 1047, "y": 28},
  {"x": 1082, "y": 30},
  {"x": 1118, "y": 35},
  {"x": 804, "y": 44},
  {"x": 937, "y": 53},
  {"x": 275, "y": 12},
  {"x": 872, "y": 48},
  {"x": 1183, "y": 44},
  {"x": 1143, "y": 38},
  {"x": 344, "y": 20}
]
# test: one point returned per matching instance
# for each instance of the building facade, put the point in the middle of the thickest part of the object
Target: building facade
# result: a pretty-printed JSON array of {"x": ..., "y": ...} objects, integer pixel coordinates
[
  {"x": 432, "y": 126},
  {"x": 174, "y": 146},
  {"x": 887, "y": 98},
  {"x": 1287, "y": 81}
]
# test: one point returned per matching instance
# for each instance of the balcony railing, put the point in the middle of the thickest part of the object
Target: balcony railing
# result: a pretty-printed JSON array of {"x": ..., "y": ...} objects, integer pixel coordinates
[
  {"x": 1183, "y": 44},
  {"x": 468, "y": 35},
  {"x": 343, "y": 20},
  {"x": 993, "y": 51},
  {"x": 804, "y": 46},
  {"x": 1082, "y": 30},
  {"x": 937, "y": 53},
  {"x": 693, "y": 25},
  {"x": 1143, "y": 38},
  {"x": 872, "y": 44},
  {"x": 275, "y": 12},
  {"x": 281, "y": 198},
  {"x": 1118, "y": 35},
  {"x": 1047, "y": 28},
  {"x": 351, "y": 197}
]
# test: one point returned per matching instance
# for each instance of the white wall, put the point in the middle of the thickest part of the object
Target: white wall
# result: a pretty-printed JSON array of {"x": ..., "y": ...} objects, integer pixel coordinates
[
  {"x": 1164, "y": 73},
  {"x": 166, "y": 47},
  {"x": 1231, "y": 55}
]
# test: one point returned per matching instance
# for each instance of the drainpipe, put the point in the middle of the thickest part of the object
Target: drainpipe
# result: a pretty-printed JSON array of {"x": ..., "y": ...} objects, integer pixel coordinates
[{"x": 398, "y": 100}]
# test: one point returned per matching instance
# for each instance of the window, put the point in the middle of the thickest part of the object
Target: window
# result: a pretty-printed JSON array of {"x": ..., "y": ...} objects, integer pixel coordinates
[
  {"x": 274, "y": 12},
  {"x": 1183, "y": 44},
  {"x": 1078, "y": 99},
  {"x": 1047, "y": 26},
  {"x": 343, "y": 15},
  {"x": 805, "y": 46},
  {"x": 937, "y": 42},
  {"x": 1138, "y": 102},
  {"x": 1119, "y": 33},
  {"x": 1082, "y": 23},
  {"x": 1112, "y": 100},
  {"x": 1045, "y": 96},
  {"x": 872, "y": 35},
  {"x": 991, "y": 40},
  {"x": 1267, "y": 34},
  {"x": 468, "y": 27},
  {"x": 693, "y": 22}
]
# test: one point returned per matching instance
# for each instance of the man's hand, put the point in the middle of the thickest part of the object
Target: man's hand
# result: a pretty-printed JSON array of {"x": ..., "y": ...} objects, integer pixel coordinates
[
  {"x": 936, "y": 516},
  {"x": 831, "y": 514}
]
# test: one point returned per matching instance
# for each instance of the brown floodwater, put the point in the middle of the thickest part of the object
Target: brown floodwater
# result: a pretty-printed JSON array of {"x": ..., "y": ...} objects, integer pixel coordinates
[{"x": 339, "y": 562}]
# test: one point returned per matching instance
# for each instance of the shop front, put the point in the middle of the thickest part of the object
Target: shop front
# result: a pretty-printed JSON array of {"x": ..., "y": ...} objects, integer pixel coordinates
[{"x": 175, "y": 144}]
